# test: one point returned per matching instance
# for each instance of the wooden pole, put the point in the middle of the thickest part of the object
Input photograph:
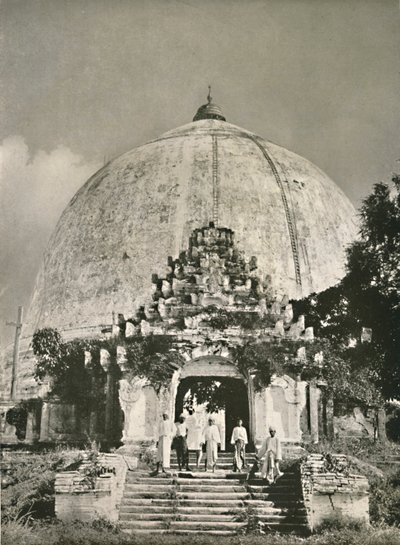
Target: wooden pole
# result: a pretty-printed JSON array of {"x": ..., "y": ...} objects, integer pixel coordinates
[{"x": 14, "y": 372}]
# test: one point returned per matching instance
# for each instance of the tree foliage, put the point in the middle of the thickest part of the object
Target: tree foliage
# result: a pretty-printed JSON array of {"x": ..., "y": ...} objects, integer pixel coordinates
[
  {"x": 153, "y": 357},
  {"x": 369, "y": 294}
]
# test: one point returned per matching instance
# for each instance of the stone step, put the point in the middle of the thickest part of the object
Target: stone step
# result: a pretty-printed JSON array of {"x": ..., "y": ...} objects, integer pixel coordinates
[
  {"x": 131, "y": 479},
  {"x": 216, "y": 489},
  {"x": 210, "y": 482},
  {"x": 205, "y": 516},
  {"x": 211, "y": 495},
  {"x": 283, "y": 487},
  {"x": 141, "y": 531},
  {"x": 199, "y": 517},
  {"x": 221, "y": 518},
  {"x": 145, "y": 502},
  {"x": 139, "y": 508},
  {"x": 293, "y": 502},
  {"x": 185, "y": 524},
  {"x": 134, "y": 510},
  {"x": 188, "y": 494},
  {"x": 150, "y": 488},
  {"x": 200, "y": 510},
  {"x": 205, "y": 525}
]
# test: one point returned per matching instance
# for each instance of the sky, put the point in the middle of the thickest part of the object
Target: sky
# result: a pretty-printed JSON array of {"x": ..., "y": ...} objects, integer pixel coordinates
[{"x": 85, "y": 80}]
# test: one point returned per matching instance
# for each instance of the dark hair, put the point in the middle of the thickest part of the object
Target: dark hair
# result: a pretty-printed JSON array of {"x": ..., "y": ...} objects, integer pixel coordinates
[{"x": 239, "y": 420}]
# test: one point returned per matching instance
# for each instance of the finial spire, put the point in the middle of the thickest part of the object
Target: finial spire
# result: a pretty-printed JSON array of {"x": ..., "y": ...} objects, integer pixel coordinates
[{"x": 209, "y": 110}]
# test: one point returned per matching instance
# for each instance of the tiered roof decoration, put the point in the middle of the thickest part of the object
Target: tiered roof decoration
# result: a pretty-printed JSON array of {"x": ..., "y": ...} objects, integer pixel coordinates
[{"x": 212, "y": 277}]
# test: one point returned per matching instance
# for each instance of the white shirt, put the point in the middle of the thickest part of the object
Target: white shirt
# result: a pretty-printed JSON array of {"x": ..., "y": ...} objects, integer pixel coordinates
[
  {"x": 165, "y": 428},
  {"x": 239, "y": 432},
  {"x": 211, "y": 433},
  {"x": 181, "y": 429}
]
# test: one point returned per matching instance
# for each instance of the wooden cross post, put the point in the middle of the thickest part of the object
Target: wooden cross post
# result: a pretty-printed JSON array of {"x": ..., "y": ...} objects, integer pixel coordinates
[{"x": 18, "y": 328}]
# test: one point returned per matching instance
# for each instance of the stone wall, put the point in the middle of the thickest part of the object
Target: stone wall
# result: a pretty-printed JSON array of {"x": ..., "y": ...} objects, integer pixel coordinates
[
  {"x": 329, "y": 488},
  {"x": 77, "y": 499},
  {"x": 354, "y": 424}
]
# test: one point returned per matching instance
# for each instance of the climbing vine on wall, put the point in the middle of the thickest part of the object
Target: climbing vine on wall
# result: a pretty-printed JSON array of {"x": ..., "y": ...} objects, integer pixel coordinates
[
  {"x": 339, "y": 368},
  {"x": 152, "y": 357}
]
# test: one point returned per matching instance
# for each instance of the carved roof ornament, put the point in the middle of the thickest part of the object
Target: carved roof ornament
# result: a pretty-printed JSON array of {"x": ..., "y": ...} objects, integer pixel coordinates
[{"x": 213, "y": 275}]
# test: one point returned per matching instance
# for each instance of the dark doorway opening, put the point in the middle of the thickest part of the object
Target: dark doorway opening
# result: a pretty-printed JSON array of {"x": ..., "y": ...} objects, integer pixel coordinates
[{"x": 216, "y": 393}]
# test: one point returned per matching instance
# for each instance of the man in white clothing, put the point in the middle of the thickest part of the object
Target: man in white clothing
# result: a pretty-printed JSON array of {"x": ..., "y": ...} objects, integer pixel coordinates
[
  {"x": 212, "y": 439},
  {"x": 239, "y": 439},
  {"x": 181, "y": 444},
  {"x": 271, "y": 447},
  {"x": 194, "y": 435},
  {"x": 165, "y": 431}
]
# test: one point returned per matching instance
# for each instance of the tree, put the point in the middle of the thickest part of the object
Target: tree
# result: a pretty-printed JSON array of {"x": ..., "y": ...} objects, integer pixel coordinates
[{"x": 368, "y": 296}]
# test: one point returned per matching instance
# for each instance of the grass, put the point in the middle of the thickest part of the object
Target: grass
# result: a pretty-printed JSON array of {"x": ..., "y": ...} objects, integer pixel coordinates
[{"x": 102, "y": 533}]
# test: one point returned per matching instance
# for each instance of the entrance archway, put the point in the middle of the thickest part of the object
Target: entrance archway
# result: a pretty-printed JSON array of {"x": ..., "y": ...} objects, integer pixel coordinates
[
  {"x": 216, "y": 383},
  {"x": 224, "y": 397}
]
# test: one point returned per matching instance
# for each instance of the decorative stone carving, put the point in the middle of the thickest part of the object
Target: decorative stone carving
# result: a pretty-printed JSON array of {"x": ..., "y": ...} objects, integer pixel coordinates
[
  {"x": 131, "y": 330},
  {"x": 115, "y": 330},
  {"x": 276, "y": 308},
  {"x": 279, "y": 329},
  {"x": 288, "y": 314},
  {"x": 105, "y": 359},
  {"x": 132, "y": 401},
  {"x": 145, "y": 327},
  {"x": 309, "y": 334},
  {"x": 121, "y": 358},
  {"x": 88, "y": 358}
]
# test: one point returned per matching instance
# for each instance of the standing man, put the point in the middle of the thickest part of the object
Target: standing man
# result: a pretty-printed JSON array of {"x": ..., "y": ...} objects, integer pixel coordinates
[
  {"x": 271, "y": 447},
  {"x": 239, "y": 439},
  {"x": 181, "y": 445},
  {"x": 165, "y": 432},
  {"x": 194, "y": 436},
  {"x": 212, "y": 439}
]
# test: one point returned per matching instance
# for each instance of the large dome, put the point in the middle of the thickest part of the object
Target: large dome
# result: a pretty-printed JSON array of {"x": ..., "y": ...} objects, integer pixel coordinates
[{"x": 141, "y": 207}]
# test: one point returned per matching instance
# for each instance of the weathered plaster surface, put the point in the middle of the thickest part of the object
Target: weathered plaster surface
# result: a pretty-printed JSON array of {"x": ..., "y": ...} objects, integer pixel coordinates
[{"x": 144, "y": 205}]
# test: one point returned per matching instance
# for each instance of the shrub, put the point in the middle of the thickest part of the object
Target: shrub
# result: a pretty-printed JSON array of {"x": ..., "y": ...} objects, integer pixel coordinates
[
  {"x": 385, "y": 500},
  {"x": 29, "y": 488}
]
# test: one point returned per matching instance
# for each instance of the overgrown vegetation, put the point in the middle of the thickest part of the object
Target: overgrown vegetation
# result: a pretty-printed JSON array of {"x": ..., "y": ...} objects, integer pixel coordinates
[
  {"x": 102, "y": 533},
  {"x": 28, "y": 483},
  {"x": 153, "y": 357},
  {"x": 385, "y": 500}
]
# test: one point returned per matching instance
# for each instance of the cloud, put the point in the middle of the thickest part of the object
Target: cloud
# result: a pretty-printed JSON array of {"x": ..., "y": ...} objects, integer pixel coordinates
[{"x": 34, "y": 189}]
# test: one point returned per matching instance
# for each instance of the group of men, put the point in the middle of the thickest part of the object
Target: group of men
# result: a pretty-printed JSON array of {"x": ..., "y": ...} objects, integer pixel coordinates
[{"x": 187, "y": 435}]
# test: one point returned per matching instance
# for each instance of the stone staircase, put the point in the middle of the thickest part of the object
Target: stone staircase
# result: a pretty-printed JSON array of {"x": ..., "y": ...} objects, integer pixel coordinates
[{"x": 220, "y": 503}]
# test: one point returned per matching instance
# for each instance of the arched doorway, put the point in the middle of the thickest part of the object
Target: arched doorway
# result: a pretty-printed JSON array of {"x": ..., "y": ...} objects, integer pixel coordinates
[
  {"x": 224, "y": 397},
  {"x": 215, "y": 384}
]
